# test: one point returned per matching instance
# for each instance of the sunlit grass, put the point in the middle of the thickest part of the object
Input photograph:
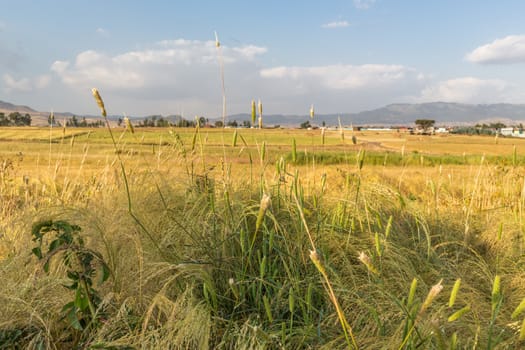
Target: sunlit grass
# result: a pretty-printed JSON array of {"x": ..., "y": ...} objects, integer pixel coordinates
[{"x": 219, "y": 252}]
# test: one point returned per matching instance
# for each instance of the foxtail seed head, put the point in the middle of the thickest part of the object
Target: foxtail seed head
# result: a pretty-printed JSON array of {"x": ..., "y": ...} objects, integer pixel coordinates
[
  {"x": 129, "y": 126},
  {"x": 454, "y": 293},
  {"x": 217, "y": 42},
  {"x": 254, "y": 112},
  {"x": 312, "y": 112},
  {"x": 100, "y": 103},
  {"x": 518, "y": 309},
  {"x": 314, "y": 256},
  {"x": 266, "y": 202},
  {"x": 456, "y": 315},
  {"x": 365, "y": 259},
  {"x": 432, "y": 294}
]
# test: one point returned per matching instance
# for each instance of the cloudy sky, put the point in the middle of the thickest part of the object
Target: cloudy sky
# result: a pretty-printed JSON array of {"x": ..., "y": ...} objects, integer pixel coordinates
[{"x": 160, "y": 57}]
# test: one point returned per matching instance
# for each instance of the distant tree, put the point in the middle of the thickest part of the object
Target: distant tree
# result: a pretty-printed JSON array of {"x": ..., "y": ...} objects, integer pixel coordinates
[
  {"x": 73, "y": 121},
  {"x": 51, "y": 120},
  {"x": 305, "y": 125},
  {"x": 183, "y": 123},
  {"x": 17, "y": 119},
  {"x": 120, "y": 121},
  {"x": 219, "y": 124},
  {"x": 202, "y": 121},
  {"x": 498, "y": 125},
  {"x": 246, "y": 124},
  {"x": 233, "y": 123},
  {"x": 162, "y": 123},
  {"x": 425, "y": 124}
]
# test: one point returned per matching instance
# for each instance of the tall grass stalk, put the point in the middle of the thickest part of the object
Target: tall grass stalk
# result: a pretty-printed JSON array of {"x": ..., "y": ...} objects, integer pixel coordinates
[
  {"x": 223, "y": 88},
  {"x": 314, "y": 257},
  {"x": 100, "y": 103}
]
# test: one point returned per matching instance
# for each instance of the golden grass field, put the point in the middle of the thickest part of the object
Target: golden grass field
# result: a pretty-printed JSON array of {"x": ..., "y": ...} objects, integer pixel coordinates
[{"x": 265, "y": 239}]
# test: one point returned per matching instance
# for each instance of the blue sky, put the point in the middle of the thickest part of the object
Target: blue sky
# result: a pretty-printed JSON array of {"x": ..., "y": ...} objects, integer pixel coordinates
[{"x": 159, "y": 57}]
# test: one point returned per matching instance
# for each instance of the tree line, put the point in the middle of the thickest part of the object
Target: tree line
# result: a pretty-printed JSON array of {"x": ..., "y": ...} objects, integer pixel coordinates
[
  {"x": 157, "y": 121},
  {"x": 15, "y": 119}
]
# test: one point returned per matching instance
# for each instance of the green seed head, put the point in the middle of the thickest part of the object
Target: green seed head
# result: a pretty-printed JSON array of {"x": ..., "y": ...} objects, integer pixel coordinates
[{"x": 254, "y": 112}]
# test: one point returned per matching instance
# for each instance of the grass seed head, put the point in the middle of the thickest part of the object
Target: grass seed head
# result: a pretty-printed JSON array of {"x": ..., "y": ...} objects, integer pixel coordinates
[
  {"x": 454, "y": 293},
  {"x": 312, "y": 112},
  {"x": 432, "y": 294},
  {"x": 254, "y": 112},
  {"x": 129, "y": 126},
  {"x": 100, "y": 103},
  {"x": 518, "y": 309},
  {"x": 456, "y": 315},
  {"x": 317, "y": 261},
  {"x": 365, "y": 259},
  {"x": 217, "y": 42},
  {"x": 412, "y": 292}
]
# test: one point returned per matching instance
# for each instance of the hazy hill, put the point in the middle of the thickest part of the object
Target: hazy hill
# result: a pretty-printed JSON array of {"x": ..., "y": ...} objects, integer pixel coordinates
[
  {"x": 6, "y": 106},
  {"x": 394, "y": 114},
  {"x": 403, "y": 113},
  {"x": 38, "y": 118}
]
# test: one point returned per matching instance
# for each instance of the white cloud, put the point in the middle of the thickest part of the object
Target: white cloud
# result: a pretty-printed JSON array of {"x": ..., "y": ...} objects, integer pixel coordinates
[
  {"x": 468, "y": 90},
  {"x": 179, "y": 74},
  {"x": 250, "y": 51},
  {"x": 335, "y": 24},
  {"x": 42, "y": 81},
  {"x": 340, "y": 87},
  {"x": 363, "y": 4},
  {"x": 102, "y": 32},
  {"x": 25, "y": 84},
  {"x": 182, "y": 76},
  {"x": 163, "y": 65},
  {"x": 341, "y": 77},
  {"x": 11, "y": 83},
  {"x": 510, "y": 49}
]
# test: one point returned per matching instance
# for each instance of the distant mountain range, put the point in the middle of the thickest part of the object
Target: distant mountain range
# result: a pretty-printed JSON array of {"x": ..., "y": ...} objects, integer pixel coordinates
[
  {"x": 38, "y": 118},
  {"x": 405, "y": 114},
  {"x": 394, "y": 114}
]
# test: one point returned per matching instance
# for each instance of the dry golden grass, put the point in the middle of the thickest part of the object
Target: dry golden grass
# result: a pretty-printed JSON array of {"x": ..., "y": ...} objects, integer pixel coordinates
[{"x": 201, "y": 262}]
